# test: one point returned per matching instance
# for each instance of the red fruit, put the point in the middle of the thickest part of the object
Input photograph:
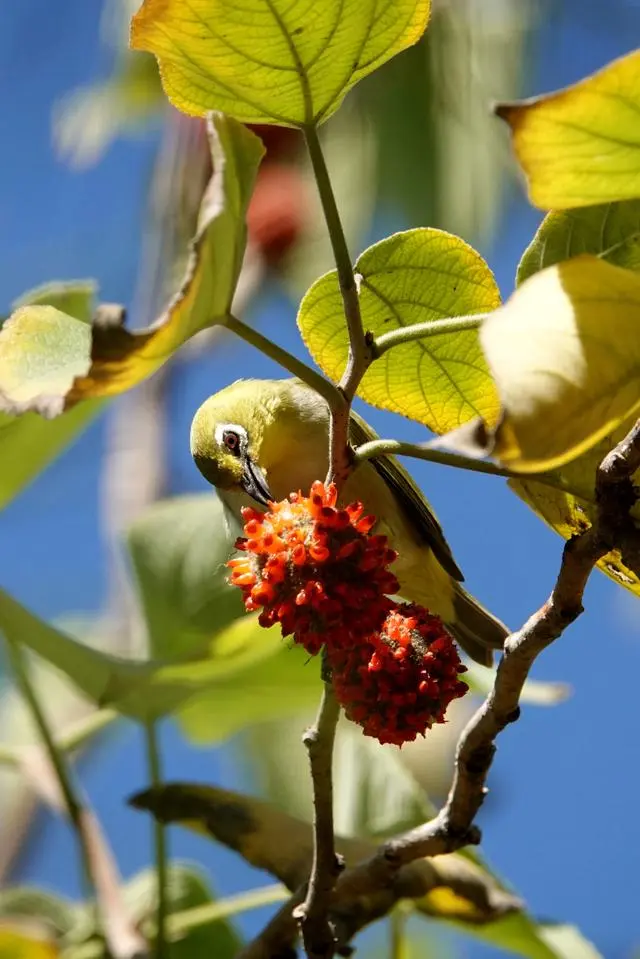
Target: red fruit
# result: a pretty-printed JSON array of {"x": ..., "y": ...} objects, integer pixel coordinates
[
  {"x": 399, "y": 681},
  {"x": 315, "y": 569},
  {"x": 276, "y": 212}
]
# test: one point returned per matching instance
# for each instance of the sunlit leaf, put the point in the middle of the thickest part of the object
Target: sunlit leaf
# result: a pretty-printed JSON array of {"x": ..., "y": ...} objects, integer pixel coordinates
[
  {"x": 519, "y": 933},
  {"x": 29, "y": 442},
  {"x": 50, "y": 360},
  {"x": 565, "y": 354},
  {"x": 581, "y": 146},
  {"x": 413, "y": 277},
  {"x": 16, "y": 943},
  {"x": 610, "y": 231},
  {"x": 277, "y": 61},
  {"x": 571, "y": 513}
]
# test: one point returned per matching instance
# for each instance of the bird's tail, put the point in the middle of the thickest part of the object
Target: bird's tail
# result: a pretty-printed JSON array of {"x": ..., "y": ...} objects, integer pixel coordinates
[{"x": 476, "y": 630}]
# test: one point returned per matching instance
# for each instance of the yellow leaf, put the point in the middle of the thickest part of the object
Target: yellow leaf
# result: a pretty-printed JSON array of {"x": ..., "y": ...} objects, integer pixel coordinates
[
  {"x": 571, "y": 513},
  {"x": 581, "y": 146},
  {"x": 18, "y": 944},
  {"x": 417, "y": 276},
  {"x": 565, "y": 355},
  {"x": 280, "y": 61}
]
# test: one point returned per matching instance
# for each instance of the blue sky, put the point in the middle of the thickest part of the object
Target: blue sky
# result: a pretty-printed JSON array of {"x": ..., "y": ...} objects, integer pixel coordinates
[{"x": 565, "y": 778}]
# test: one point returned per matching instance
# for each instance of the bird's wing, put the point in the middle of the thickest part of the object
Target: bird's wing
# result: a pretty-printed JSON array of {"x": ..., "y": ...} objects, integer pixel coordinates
[{"x": 409, "y": 496}]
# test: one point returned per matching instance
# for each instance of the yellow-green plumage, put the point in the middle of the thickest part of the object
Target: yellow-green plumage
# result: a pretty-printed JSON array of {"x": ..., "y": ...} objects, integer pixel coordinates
[{"x": 286, "y": 426}]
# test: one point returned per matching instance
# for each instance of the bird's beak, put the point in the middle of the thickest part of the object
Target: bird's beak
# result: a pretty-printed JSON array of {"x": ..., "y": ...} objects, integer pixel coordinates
[{"x": 254, "y": 483}]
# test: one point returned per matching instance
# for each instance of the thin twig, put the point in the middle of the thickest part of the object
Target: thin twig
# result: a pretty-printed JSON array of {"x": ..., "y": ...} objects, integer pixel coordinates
[
  {"x": 360, "y": 352},
  {"x": 317, "y": 932},
  {"x": 160, "y": 842},
  {"x": 59, "y": 763},
  {"x": 422, "y": 331},
  {"x": 425, "y": 451},
  {"x": 290, "y": 362},
  {"x": 454, "y": 826}
]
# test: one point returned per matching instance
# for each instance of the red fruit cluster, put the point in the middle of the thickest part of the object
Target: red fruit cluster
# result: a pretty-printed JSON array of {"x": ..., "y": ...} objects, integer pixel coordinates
[
  {"x": 315, "y": 569},
  {"x": 399, "y": 682},
  {"x": 320, "y": 572}
]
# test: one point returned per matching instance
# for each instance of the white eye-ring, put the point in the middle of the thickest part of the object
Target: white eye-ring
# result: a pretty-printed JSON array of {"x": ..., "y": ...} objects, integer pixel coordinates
[{"x": 232, "y": 437}]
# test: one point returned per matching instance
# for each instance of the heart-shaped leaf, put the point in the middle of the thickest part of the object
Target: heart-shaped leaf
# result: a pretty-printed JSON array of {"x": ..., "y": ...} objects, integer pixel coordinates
[
  {"x": 417, "y": 276},
  {"x": 272, "y": 60},
  {"x": 51, "y": 360}
]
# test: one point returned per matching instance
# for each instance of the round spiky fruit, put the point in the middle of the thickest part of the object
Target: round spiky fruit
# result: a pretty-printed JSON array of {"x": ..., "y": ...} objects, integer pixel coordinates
[
  {"x": 399, "y": 681},
  {"x": 316, "y": 569}
]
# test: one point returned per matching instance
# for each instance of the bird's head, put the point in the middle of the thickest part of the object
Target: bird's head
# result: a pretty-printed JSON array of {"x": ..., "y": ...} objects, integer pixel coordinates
[
  {"x": 227, "y": 436},
  {"x": 263, "y": 438}
]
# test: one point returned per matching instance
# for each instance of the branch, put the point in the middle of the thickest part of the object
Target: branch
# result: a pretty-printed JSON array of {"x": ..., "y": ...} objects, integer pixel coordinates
[
  {"x": 454, "y": 826},
  {"x": 313, "y": 914},
  {"x": 422, "y": 331}
]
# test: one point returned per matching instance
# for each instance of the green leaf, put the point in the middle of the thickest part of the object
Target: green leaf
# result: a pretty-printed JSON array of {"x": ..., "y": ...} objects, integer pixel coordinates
[
  {"x": 519, "y": 933},
  {"x": 610, "y": 231},
  {"x": 565, "y": 354},
  {"x": 187, "y": 888},
  {"x": 88, "y": 119},
  {"x": 581, "y": 146},
  {"x": 28, "y": 443},
  {"x": 272, "y": 60},
  {"x": 418, "y": 276},
  {"x": 281, "y": 684},
  {"x": 179, "y": 549},
  {"x": 74, "y": 362},
  {"x": 246, "y": 670},
  {"x": 30, "y": 903}
]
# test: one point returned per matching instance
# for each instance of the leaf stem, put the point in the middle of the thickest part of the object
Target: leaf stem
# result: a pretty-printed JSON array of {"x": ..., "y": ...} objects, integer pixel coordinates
[
  {"x": 375, "y": 448},
  {"x": 313, "y": 914},
  {"x": 160, "y": 841},
  {"x": 422, "y": 331},
  {"x": 360, "y": 353},
  {"x": 59, "y": 763},
  {"x": 290, "y": 362}
]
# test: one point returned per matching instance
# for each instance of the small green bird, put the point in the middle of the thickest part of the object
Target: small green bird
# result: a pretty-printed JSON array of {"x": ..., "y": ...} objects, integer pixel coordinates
[{"x": 259, "y": 440}]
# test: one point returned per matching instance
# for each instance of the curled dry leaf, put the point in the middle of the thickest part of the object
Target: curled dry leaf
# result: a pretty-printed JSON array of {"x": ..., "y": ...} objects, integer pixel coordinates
[{"x": 50, "y": 360}]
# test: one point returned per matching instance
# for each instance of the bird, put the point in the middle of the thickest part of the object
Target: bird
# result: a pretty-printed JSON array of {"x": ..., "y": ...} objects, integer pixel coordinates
[{"x": 256, "y": 441}]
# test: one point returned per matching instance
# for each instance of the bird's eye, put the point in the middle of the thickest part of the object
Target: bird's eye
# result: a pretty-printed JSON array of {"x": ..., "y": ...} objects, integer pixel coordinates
[{"x": 231, "y": 440}]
